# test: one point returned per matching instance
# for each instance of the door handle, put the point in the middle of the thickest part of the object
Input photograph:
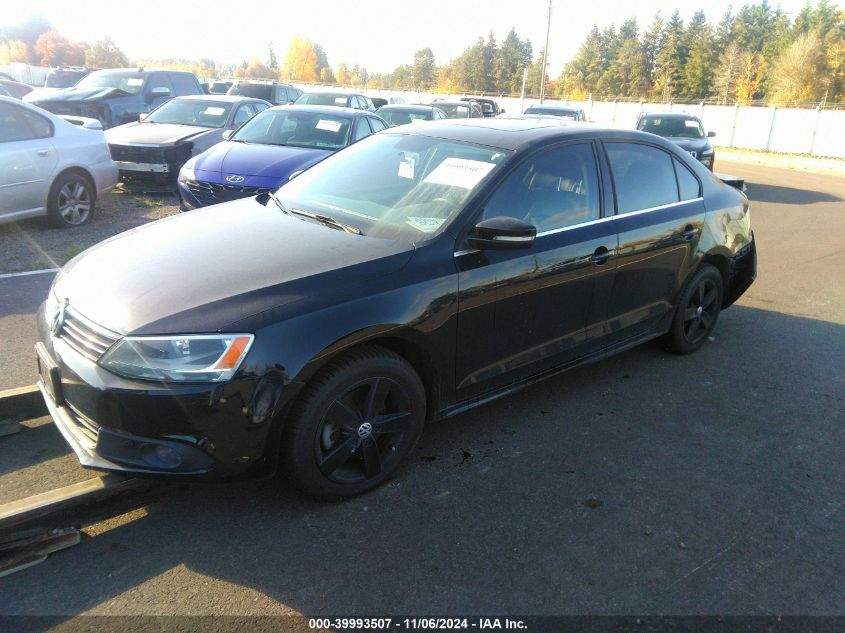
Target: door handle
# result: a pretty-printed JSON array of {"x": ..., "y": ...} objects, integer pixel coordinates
[
  {"x": 42, "y": 152},
  {"x": 600, "y": 256},
  {"x": 689, "y": 232}
]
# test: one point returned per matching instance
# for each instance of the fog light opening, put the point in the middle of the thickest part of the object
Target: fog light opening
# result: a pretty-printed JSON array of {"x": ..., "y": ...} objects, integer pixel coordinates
[{"x": 161, "y": 456}]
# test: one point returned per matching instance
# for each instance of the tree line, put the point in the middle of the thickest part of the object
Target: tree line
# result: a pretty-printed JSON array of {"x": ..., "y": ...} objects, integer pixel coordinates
[{"x": 757, "y": 54}]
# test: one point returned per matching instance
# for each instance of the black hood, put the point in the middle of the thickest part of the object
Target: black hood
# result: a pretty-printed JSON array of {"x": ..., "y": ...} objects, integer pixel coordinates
[
  {"x": 697, "y": 145},
  {"x": 209, "y": 268}
]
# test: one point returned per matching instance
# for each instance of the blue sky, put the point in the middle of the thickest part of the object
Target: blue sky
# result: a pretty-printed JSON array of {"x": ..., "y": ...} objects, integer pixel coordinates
[{"x": 377, "y": 34}]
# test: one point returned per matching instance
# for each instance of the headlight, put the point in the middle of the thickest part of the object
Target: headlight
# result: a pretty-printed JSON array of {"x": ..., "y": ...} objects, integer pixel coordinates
[
  {"x": 186, "y": 173},
  {"x": 186, "y": 358}
]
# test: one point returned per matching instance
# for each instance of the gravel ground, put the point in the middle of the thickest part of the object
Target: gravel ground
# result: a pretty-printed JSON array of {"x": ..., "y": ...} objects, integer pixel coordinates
[{"x": 35, "y": 245}]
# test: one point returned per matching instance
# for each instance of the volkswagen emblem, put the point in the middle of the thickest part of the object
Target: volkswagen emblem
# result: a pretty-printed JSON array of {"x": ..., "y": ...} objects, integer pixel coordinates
[
  {"x": 235, "y": 178},
  {"x": 58, "y": 319},
  {"x": 365, "y": 430}
]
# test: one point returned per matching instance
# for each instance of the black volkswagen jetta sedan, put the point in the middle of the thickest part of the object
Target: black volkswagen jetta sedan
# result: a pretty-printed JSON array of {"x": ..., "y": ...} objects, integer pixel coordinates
[{"x": 410, "y": 277}]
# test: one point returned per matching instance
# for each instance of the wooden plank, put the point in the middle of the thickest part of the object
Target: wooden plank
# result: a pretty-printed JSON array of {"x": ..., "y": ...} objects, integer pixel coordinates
[{"x": 72, "y": 505}]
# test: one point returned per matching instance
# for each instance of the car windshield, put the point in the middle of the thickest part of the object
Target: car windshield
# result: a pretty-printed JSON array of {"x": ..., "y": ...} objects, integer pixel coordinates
[
  {"x": 563, "y": 114},
  {"x": 394, "y": 186},
  {"x": 129, "y": 82},
  {"x": 322, "y": 98},
  {"x": 63, "y": 79},
  {"x": 672, "y": 128},
  {"x": 454, "y": 111},
  {"x": 194, "y": 112},
  {"x": 296, "y": 129},
  {"x": 403, "y": 117}
]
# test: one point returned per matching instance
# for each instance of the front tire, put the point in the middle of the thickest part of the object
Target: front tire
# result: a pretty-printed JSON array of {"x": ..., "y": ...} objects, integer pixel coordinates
[
  {"x": 697, "y": 312},
  {"x": 71, "y": 201},
  {"x": 354, "y": 423}
]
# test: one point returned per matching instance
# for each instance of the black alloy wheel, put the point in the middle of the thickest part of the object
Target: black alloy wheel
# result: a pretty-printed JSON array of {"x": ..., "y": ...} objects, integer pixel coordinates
[
  {"x": 354, "y": 424},
  {"x": 701, "y": 311},
  {"x": 360, "y": 431},
  {"x": 697, "y": 312}
]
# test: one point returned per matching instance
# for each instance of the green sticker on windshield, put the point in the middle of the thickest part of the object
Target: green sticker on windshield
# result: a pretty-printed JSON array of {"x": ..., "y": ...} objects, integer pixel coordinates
[{"x": 426, "y": 225}]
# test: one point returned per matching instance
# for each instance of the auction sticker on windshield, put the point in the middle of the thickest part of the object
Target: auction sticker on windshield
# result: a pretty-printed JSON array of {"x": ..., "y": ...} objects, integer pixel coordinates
[
  {"x": 426, "y": 225},
  {"x": 459, "y": 172},
  {"x": 134, "y": 81},
  {"x": 328, "y": 125},
  {"x": 214, "y": 111}
]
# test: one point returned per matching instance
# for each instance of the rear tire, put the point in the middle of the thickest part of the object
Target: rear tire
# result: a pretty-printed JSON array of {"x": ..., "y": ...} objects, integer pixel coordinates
[
  {"x": 71, "y": 201},
  {"x": 697, "y": 311},
  {"x": 354, "y": 424}
]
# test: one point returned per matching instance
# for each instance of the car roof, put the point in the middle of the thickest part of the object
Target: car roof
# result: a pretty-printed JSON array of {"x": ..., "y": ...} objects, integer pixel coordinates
[
  {"x": 520, "y": 134},
  {"x": 222, "y": 98},
  {"x": 320, "y": 109},
  {"x": 408, "y": 106},
  {"x": 555, "y": 106},
  {"x": 671, "y": 115},
  {"x": 452, "y": 102},
  {"x": 339, "y": 93}
]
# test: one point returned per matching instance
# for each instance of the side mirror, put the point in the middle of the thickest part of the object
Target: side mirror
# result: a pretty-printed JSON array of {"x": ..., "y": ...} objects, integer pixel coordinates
[
  {"x": 143, "y": 116},
  {"x": 227, "y": 134},
  {"x": 502, "y": 233},
  {"x": 711, "y": 134},
  {"x": 160, "y": 91}
]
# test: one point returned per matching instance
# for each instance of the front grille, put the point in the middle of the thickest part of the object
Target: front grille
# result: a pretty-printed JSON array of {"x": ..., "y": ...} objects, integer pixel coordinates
[
  {"x": 133, "y": 154},
  {"x": 86, "y": 337},
  {"x": 213, "y": 193}
]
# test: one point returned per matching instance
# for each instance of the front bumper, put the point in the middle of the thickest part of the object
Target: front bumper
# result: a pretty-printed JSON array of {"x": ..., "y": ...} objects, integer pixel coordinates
[{"x": 207, "y": 431}]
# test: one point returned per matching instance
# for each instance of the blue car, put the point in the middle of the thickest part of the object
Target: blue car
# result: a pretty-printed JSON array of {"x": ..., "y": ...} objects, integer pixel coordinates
[{"x": 268, "y": 150}]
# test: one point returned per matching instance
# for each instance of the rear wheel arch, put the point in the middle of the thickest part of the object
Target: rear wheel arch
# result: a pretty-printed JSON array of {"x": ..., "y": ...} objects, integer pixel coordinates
[
  {"x": 79, "y": 171},
  {"x": 722, "y": 263}
]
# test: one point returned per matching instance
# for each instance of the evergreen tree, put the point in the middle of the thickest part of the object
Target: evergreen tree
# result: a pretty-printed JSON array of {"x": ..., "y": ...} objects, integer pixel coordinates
[{"x": 670, "y": 60}]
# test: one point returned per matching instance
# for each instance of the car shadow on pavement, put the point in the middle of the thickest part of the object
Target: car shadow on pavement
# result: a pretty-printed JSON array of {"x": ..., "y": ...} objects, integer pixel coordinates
[
  {"x": 647, "y": 484},
  {"x": 787, "y": 195}
]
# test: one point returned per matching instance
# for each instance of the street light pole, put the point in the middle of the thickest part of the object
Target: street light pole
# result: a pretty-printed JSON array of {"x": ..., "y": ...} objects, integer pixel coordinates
[{"x": 545, "y": 55}]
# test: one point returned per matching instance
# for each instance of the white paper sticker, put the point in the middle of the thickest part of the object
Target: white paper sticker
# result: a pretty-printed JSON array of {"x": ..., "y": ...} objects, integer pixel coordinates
[
  {"x": 327, "y": 124},
  {"x": 426, "y": 225},
  {"x": 406, "y": 165},
  {"x": 689, "y": 123},
  {"x": 133, "y": 81},
  {"x": 462, "y": 109},
  {"x": 459, "y": 172},
  {"x": 340, "y": 101},
  {"x": 214, "y": 111}
]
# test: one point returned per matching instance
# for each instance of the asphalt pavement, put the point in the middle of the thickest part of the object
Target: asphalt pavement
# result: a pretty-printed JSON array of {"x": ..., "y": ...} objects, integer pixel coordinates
[{"x": 644, "y": 484}]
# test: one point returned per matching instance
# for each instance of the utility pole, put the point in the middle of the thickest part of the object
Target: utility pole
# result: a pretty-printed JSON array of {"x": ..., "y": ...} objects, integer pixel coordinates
[{"x": 545, "y": 55}]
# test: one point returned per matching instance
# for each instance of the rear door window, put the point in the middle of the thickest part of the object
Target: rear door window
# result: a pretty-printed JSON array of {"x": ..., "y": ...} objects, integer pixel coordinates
[
  {"x": 376, "y": 124},
  {"x": 643, "y": 176},
  {"x": 688, "y": 184}
]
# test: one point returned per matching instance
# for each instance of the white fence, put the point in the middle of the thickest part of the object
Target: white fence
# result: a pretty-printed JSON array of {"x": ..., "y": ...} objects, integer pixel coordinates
[{"x": 790, "y": 130}]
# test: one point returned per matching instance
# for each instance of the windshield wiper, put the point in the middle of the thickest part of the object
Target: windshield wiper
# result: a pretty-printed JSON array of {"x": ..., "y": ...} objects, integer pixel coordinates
[
  {"x": 322, "y": 219},
  {"x": 327, "y": 221}
]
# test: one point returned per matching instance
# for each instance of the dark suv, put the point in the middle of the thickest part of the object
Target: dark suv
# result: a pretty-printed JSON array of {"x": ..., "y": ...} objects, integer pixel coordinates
[
  {"x": 685, "y": 130},
  {"x": 118, "y": 96},
  {"x": 275, "y": 93}
]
